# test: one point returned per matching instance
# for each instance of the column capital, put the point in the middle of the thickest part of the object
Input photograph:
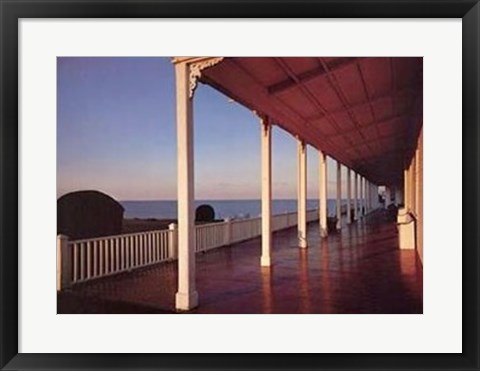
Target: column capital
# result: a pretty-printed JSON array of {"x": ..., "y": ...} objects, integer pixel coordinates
[{"x": 196, "y": 65}]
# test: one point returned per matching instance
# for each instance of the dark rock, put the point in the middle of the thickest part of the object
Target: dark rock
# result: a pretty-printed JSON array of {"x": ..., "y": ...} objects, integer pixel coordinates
[
  {"x": 88, "y": 214},
  {"x": 204, "y": 213}
]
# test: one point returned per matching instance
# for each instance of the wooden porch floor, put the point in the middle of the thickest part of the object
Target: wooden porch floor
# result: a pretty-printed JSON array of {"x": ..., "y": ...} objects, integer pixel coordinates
[{"x": 359, "y": 270}]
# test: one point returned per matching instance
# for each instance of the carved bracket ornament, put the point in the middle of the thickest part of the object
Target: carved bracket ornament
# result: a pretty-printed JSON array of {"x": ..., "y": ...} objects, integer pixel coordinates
[{"x": 196, "y": 71}]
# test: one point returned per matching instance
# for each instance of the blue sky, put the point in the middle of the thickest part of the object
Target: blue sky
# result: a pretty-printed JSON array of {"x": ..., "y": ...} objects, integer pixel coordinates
[{"x": 116, "y": 133}]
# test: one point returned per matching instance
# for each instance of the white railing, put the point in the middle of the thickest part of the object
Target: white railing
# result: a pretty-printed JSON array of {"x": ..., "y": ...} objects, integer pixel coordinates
[
  {"x": 84, "y": 260},
  {"x": 103, "y": 256},
  {"x": 312, "y": 215},
  {"x": 210, "y": 236},
  {"x": 245, "y": 229}
]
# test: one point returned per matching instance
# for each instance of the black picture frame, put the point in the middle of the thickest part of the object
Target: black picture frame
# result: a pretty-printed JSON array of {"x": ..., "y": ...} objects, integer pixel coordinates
[{"x": 12, "y": 11}]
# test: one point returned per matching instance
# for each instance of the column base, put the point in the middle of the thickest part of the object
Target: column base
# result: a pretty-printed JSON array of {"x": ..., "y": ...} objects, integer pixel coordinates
[
  {"x": 186, "y": 301},
  {"x": 265, "y": 261},
  {"x": 406, "y": 230},
  {"x": 302, "y": 243}
]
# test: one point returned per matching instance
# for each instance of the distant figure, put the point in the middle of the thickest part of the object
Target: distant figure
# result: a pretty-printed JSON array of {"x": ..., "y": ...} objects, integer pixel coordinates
[
  {"x": 205, "y": 213},
  {"x": 87, "y": 214}
]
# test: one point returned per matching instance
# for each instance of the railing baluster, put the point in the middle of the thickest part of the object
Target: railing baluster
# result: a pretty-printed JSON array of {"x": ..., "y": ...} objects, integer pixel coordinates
[
  {"x": 75, "y": 262},
  {"x": 121, "y": 250},
  {"x": 150, "y": 246},
  {"x": 131, "y": 254},
  {"x": 145, "y": 249},
  {"x": 161, "y": 244},
  {"x": 140, "y": 248},
  {"x": 163, "y": 248},
  {"x": 157, "y": 244},
  {"x": 125, "y": 252},
  {"x": 107, "y": 257},
  {"x": 100, "y": 258},
  {"x": 116, "y": 267},
  {"x": 134, "y": 251},
  {"x": 166, "y": 251},
  {"x": 89, "y": 261},
  {"x": 82, "y": 261},
  {"x": 114, "y": 256}
]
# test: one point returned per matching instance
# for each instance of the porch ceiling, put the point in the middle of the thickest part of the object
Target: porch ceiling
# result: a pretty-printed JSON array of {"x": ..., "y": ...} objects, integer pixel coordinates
[{"x": 364, "y": 112}]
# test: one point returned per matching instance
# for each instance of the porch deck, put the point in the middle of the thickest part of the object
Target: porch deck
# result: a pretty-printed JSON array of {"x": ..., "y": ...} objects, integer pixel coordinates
[{"x": 358, "y": 270}]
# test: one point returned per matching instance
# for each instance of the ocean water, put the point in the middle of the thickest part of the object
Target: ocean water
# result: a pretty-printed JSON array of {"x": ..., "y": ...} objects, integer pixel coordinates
[{"x": 223, "y": 208}]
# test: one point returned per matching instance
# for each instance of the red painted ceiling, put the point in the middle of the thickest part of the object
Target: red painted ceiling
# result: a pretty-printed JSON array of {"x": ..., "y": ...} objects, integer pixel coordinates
[{"x": 364, "y": 112}]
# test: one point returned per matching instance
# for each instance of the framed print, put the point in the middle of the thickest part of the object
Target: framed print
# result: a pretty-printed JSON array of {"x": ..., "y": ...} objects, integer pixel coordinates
[{"x": 242, "y": 186}]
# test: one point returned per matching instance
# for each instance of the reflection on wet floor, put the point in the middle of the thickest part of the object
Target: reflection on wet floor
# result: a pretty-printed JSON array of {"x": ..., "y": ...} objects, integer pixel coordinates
[{"x": 358, "y": 270}]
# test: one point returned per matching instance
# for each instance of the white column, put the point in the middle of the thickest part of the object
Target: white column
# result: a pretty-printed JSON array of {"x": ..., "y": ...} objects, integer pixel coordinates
[
  {"x": 362, "y": 196},
  {"x": 367, "y": 196},
  {"x": 359, "y": 196},
  {"x": 266, "y": 259},
  {"x": 322, "y": 161},
  {"x": 187, "y": 297},
  {"x": 416, "y": 182},
  {"x": 302, "y": 192},
  {"x": 349, "y": 195},
  {"x": 339, "y": 195},
  {"x": 355, "y": 196},
  {"x": 406, "y": 191}
]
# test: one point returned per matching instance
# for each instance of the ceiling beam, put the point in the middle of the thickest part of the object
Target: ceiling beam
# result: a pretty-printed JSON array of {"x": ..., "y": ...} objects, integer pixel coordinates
[
  {"x": 381, "y": 122},
  {"x": 306, "y": 91},
  {"x": 310, "y": 75},
  {"x": 391, "y": 155},
  {"x": 374, "y": 100},
  {"x": 396, "y": 137}
]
